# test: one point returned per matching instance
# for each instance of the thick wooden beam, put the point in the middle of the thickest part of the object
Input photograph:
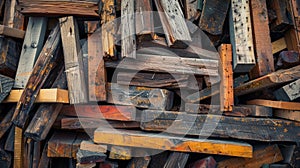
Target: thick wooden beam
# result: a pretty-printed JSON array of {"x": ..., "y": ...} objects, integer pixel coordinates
[
  {"x": 32, "y": 46},
  {"x": 276, "y": 104},
  {"x": 73, "y": 60},
  {"x": 287, "y": 114},
  {"x": 177, "y": 159},
  {"x": 262, "y": 39},
  {"x": 144, "y": 23},
  {"x": 289, "y": 92},
  {"x": 241, "y": 36},
  {"x": 248, "y": 128},
  {"x": 173, "y": 143},
  {"x": 272, "y": 79},
  {"x": 120, "y": 153}
]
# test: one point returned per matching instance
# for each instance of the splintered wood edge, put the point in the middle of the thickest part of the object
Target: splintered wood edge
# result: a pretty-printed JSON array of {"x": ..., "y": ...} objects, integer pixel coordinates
[{"x": 44, "y": 96}]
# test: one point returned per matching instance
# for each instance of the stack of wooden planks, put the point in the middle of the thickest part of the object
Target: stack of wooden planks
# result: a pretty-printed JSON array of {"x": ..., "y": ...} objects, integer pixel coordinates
[{"x": 149, "y": 83}]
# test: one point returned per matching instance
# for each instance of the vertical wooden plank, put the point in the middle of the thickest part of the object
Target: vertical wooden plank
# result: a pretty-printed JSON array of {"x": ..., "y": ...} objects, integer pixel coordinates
[
  {"x": 18, "y": 148},
  {"x": 96, "y": 68},
  {"x": 73, "y": 60},
  {"x": 128, "y": 41},
  {"x": 262, "y": 39},
  {"x": 241, "y": 36},
  {"x": 32, "y": 46},
  {"x": 226, "y": 86},
  {"x": 36, "y": 154},
  {"x": 44, "y": 160},
  {"x": 144, "y": 23},
  {"x": 9, "y": 13}
]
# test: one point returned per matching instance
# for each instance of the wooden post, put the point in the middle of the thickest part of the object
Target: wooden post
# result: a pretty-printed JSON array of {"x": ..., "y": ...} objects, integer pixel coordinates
[
  {"x": 73, "y": 60},
  {"x": 32, "y": 46}
]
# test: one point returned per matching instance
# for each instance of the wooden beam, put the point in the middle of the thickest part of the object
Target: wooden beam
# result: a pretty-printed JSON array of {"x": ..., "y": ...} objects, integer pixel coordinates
[
  {"x": 177, "y": 159},
  {"x": 144, "y": 23},
  {"x": 173, "y": 143},
  {"x": 276, "y": 104},
  {"x": 11, "y": 32},
  {"x": 226, "y": 86},
  {"x": 120, "y": 153},
  {"x": 272, "y": 79},
  {"x": 279, "y": 45},
  {"x": 6, "y": 123},
  {"x": 73, "y": 60},
  {"x": 288, "y": 92},
  {"x": 32, "y": 46},
  {"x": 241, "y": 36},
  {"x": 287, "y": 114},
  {"x": 202, "y": 95}
]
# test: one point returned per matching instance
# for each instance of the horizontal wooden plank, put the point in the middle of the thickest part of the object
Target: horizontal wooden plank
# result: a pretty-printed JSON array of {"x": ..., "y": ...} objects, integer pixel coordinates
[
  {"x": 44, "y": 96},
  {"x": 287, "y": 114},
  {"x": 173, "y": 143},
  {"x": 11, "y": 32},
  {"x": 276, "y": 104}
]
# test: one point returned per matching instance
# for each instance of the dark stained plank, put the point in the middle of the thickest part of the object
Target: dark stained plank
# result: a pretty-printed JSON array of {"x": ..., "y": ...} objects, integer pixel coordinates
[
  {"x": 6, "y": 121},
  {"x": 6, "y": 84},
  {"x": 281, "y": 9},
  {"x": 176, "y": 160},
  {"x": 207, "y": 93},
  {"x": 6, "y": 158},
  {"x": 9, "y": 143},
  {"x": 288, "y": 92},
  {"x": 44, "y": 160},
  {"x": 109, "y": 164},
  {"x": 92, "y": 147},
  {"x": 36, "y": 154}
]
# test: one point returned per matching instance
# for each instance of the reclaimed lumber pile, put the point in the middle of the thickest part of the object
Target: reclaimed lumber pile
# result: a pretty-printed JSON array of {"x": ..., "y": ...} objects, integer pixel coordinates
[{"x": 149, "y": 83}]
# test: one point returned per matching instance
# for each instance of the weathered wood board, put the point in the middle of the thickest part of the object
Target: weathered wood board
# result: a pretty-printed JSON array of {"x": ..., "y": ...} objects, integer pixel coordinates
[
  {"x": 6, "y": 84},
  {"x": 11, "y": 32},
  {"x": 177, "y": 159},
  {"x": 276, "y": 104},
  {"x": 120, "y": 153},
  {"x": 289, "y": 92},
  {"x": 144, "y": 23},
  {"x": 279, "y": 45},
  {"x": 91, "y": 146},
  {"x": 287, "y": 114},
  {"x": 85, "y": 157}
]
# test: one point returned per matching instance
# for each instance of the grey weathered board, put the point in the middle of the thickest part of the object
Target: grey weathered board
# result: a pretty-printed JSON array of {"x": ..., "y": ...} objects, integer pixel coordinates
[
  {"x": 6, "y": 84},
  {"x": 289, "y": 92},
  {"x": 241, "y": 36},
  {"x": 32, "y": 46}
]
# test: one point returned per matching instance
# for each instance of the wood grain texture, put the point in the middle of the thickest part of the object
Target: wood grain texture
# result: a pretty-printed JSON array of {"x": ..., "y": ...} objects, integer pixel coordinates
[
  {"x": 18, "y": 148},
  {"x": 144, "y": 23},
  {"x": 91, "y": 146},
  {"x": 287, "y": 114},
  {"x": 288, "y": 92},
  {"x": 177, "y": 159},
  {"x": 276, "y": 104},
  {"x": 120, "y": 153},
  {"x": 86, "y": 157},
  {"x": 73, "y": 60},
  {"x": 173, "y": 143},
  {"x": 11, "y": 32},
  {"x": 6, "y": 84},
  {"x": 279, "y": 45}
]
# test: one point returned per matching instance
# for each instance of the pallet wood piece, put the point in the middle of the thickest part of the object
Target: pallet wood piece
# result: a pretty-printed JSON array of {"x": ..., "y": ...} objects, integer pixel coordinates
[
  {"x": 6, "y": 84},
  {"x": 44, "y": 161},
  {"x": 173, "y": 23},
  {"x": 73, "y": 60},
  {"x": 247, "y": 128},
  {"x": 288, "y": 92},
  {"x": 287, "y": 114},
  {"x": 282, "y": 20},
  {"x": 45, "y": 63},
  {"x": 83, "y": 156},
  {"x": 213, "y": 16},
  {"x": 59, "y": 8},
  {"x": 91, "y": 146},
  {"x": 144, "y": 24},
  {"x": 120, "y": 153},
  {"x": 96, "y": 68},
  {"x": 176, "y": 160},
  {"x": 139, "y": 96},
  {"x": 266, "y": 155},
  {"x": 109, "y": 164},
  {"x": 108, "y": 112},
  {"x": 141, "y": 162},
  {"x": 270, "y": 80},
  {"x": 11, "y": 32},
  {"x": 173, "y": 143},
  {"x": 241, "y": 36},
  {"x": 6, "y": 122},
  {"x": 172, "y": 65},
  {"x": 279, "y": 45},
  {"x": 108, "y": 29},
  {"x": 288, "y": 59},
  {"x": 128, "y": 30},
  {"x": 88, "y": 165},
  {"x": 262, "y": 39},
  {"x": 32, "y": 46},
  {"x": 44, "y": 96},
  {"x": 18, "y": 148},
  {"x": 276, "y": 104},
  {"x": 208, "y": 162},
  {"x": 226, "y": 86}
]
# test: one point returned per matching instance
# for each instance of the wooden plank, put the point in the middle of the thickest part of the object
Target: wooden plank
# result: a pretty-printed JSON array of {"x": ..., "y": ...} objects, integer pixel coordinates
[
  {"x": 262, "y": 39},
  {"x": 272, "y": 79},
  {"x": 139, "y": 96},
  {"x": 73, "y": 60},
  {"x": 292, "y": 39},
  {"x": 6, "y": 122},
  {"x": 292, "y": 35},
  {"x": 18, "y": 148},
  {"x": 60, "y": 144},
  {"x": 109, "y": 164},
  {"x": 281, "y": 9},
  {"x": 265, "y": 155},
  {"x": 36, "y": 154},
  {"x": 226, "y": 86},
  {"x": 213, "y": 16},
  {"x": 96, "y": 68},
  {"x": 6, "y": 84},
  {"x": 44, "y": 161},
  {"x": 247, "y": 128},
  {"x": 144, "y": 23},
  {"x": 47, "y": 61},
  {"x": 10, "y": 140},
  {"x": 32, "y": 46},
  {"x": 241, "y": 36},
  {"x": 120, "y": 153},
  {"x": 91, "y": 146},
  {"x": 173, "y": 23},
  {"x": 88, "y": 165},
  {"x": 208, "y": 162},
  {"x": 173, "y": 143},
  {"x": 203, "y": 94},
  {"x": 108, "y": 112},
  {"x": 288, "y": 59},
  {"x": 279, "y": 45},
  {"x": 85, "y": 157},
  {"x": 211, "y": 80},
  {"x": 177, "y": 159},
  {"x": 9, "y": 13},
  {"x": 276, "y": 104},
  {"x": 11, "y": 32},
  {"x": 288, "y": 92},
  {"x": 287, "y": 114},
  {"x": 141, "y": 162},
  {"x": 44, "y": 96}
]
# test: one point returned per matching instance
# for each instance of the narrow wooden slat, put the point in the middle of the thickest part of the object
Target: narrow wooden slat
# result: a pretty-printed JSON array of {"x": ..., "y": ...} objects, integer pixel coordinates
[
  {"x": 44, "y": 160},
  {"x": 6, "y": 122},
  {"x": 86, "y": 157},
  {"x": 36, "y": 154},
  {"x": 276, "y": 104},
  {"x": 91, "y": 146}
]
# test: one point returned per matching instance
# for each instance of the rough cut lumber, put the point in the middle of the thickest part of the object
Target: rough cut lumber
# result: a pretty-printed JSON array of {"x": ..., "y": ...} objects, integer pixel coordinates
[
  {"x": 139, "y": 96},
  {"x": 6, "y": 84},
  {"x": 173, "y": 143},
  {"x": 248, "y": 128},
  {"x": 140, "y": 162},
  {"x": 46, "y": 62},
  {"x": 279, "y": 45},
  {"x": 175, "y": 29},
  {"x": 108, "y": 112},
  {"x": 262, "y": 39},
  {"x": 292, "y": 40},
  {"x": 265, "y": 155},
  {"x": 120, "y": 153},
  {"x": 293, "y": 36},
  {"x": 176, "y": 159},
  {"x": 287, "y": 114},
  {"x": 91, "y": 146},
  {"x": 226, "y": 86},
  {"x": 213, "y": 16},
  {"x": 18, "y": 148},
  {"x": 36, "y": 153},
  {"x": 172, "y": 65},
  {"x": 44, "y": 96},
  {"x": 272, "y": 79},
  {"x": 96, "y": 68},
  {"x": 32, "y": 46},
  {"x": 241, "y": 36},
  {"x": 276, "y": 104},
  {"x": 289, "y": 92},
  {"x": 144, "y": 23},
  {"x": 83, "y": 156},
  {"x": 9, "y": 143},
  {"x": 11, "y": 32},
  {"x": 208, "y": 162}
]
